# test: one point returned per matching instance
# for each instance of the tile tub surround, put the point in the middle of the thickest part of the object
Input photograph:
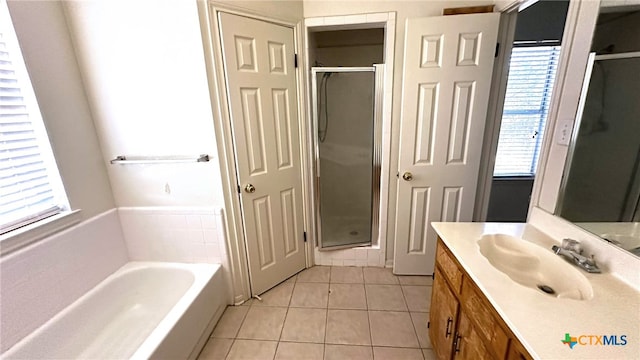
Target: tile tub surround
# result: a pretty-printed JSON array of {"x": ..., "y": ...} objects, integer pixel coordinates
[
  {"x": 41, "y": 279},
  {"x": 174, "y": 234},
  {"x": 327, "y": 312},
  {"x": 538, "y": 320}
]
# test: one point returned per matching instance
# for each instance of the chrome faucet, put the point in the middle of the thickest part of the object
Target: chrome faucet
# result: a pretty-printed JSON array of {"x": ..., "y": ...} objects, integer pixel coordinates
[{"x": 572, "y": 251}]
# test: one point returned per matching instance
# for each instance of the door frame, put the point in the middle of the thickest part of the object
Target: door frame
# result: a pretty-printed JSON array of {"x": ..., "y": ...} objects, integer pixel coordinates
[
  {"x": 237, "y": 274},
  {"x": 377, "y": 253},
  {"x": 506, "y": 34}
]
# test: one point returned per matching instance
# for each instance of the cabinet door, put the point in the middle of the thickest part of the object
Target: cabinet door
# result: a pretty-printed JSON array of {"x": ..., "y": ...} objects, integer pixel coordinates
[
  {"x": 442, "y": 317},
  {"x": 468, "y": 344},
  {"x": 517, "y": 351},
  {"x": 483, "y": 315}
]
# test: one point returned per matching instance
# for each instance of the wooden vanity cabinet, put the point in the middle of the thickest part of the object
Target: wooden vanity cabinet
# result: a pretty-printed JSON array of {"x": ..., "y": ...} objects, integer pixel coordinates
[
  {"x": 442, "y": 317},
  {"x": 462, "y": 322},
  {"x": 517, "y": 352}
]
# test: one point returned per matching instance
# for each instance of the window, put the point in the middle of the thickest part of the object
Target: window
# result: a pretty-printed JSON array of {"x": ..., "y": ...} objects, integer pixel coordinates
[
  {"x": 30, "y": 186},
  {"x": 532, "y": 72}
]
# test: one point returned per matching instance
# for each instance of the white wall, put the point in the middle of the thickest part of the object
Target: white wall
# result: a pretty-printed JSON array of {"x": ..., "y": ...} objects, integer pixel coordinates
[
  {"x": 143, "y": 67},
  {"x": 279, "y": 9},
  {"x": 404, "y": 10},
  {"x": 49, "y": 55}
]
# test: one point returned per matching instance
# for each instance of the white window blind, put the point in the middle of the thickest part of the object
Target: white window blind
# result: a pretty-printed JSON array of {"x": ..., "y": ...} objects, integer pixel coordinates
[
  {"x": 30, "y": 188},
  {"x": 531, "y": 75}
]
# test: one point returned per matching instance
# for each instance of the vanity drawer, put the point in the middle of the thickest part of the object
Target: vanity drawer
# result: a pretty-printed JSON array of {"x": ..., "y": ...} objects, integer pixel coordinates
[
  {"x": 482, "y": 315},
  {"x": 449, "y": 267}
]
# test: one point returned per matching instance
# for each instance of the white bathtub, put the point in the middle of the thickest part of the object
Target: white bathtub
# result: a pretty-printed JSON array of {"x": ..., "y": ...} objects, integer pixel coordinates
[{"x": 143, "y": 310}]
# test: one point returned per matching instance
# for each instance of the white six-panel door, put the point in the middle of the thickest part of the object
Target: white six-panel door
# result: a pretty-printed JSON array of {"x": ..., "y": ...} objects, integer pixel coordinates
[
  {"x": 261, "y": 84},
  {"x": 448, "y": 62}
]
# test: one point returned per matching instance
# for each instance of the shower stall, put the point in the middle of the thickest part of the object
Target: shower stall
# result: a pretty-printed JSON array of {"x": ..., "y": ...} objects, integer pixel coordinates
[
  {"x": 602, "y": 179},
  {"x": 346, "y": 104}
]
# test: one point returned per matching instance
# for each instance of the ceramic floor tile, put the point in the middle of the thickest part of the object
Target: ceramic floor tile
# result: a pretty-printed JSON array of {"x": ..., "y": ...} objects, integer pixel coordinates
[
  {"x": 420, "y": 325},
  {"x": 415, "y": 280},
  {"x": 315, "y": 274},
  {"x": 347, "y": 296},
  {"x": 304, "y": 325},
  {"x": 418, "y": 297},
  {"x": 252, "y": 350},
  {"x": 385, "y": 297},
  {"x": 374, "y": 275},
  {"x": 346, "y": 275},
  {"x": 347, "y": 352},
  {"x": 391, "y": 353},
  {"x": 429, "y": 354},
  {"x": 215, "y": 349},
  {"x": 263, "y": 323},
  {"x": 299, "y": 351},
  {"x": 348, "y": 327},
  {"x": 278, "y": 296},
  {"x": 230, "y": 322},
  {"x": 310, "y": 295},
  {"x": 390, "y": 328}
]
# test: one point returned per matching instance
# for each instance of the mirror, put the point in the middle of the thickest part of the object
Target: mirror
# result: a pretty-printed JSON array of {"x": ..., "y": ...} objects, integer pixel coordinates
[{"x": 601, "y": 185}]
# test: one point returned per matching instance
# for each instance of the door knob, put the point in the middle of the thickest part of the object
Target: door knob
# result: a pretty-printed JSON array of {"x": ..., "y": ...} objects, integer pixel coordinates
[
  {"x": 407, "y": 176},
  {"x": 250, "y": 188}
]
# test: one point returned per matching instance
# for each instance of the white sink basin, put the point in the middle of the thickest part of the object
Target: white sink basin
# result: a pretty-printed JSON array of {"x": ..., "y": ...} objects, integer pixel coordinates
[{"x": 535, "y": 267}]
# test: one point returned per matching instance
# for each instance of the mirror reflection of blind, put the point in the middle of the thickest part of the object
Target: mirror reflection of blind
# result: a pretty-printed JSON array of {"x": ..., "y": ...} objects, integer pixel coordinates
[
  {"x": 531, "y": 75},
  {"x": 26, "y": 190}
]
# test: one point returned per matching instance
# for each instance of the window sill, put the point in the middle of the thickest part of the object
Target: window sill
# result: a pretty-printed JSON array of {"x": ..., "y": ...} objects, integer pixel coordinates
[{"x": 29, "y": 234}]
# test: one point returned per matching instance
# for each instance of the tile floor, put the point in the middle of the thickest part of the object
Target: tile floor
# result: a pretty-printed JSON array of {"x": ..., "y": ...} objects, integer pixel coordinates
[{"x": 330, "y": 312}]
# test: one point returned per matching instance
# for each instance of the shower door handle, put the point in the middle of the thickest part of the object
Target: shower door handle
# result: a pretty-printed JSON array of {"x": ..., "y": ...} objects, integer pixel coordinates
[
  {"x": 250, "y": 188},
  {"x": 407, "y": 176}
]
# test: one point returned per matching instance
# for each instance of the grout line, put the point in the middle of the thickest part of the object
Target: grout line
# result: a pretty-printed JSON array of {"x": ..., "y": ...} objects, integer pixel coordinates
[
  {"x": 415, "y": 330},
  {"x": 404, "y": 297},
  {"x": 284, "y": 321},
  {"x": 244, "y": 317},
  {"x": 366, "y": 301},
  {"x": 233, "y": 341},
  {"x": 326, "y": 327}
]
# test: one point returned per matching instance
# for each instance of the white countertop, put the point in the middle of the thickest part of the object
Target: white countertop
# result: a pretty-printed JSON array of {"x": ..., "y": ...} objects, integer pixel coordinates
[{"x": 538, "y": 320}]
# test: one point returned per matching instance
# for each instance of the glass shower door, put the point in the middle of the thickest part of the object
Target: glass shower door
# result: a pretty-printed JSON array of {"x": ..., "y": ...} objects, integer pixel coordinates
[{"x": 346, "y": 167}]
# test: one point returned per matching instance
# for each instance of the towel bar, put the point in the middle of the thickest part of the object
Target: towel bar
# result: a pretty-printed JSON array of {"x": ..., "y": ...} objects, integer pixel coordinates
[{"x": 123, "y": 160}]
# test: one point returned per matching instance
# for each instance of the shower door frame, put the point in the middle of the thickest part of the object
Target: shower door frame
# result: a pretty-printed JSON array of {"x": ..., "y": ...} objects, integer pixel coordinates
[
  {"x": 631, "y": 208},
  {"x": 378, "y": 74}
]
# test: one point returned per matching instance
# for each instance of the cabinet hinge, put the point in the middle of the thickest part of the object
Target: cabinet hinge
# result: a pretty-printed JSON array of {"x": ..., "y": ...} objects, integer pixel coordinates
[
  {"x": 497, "y": 50},
  {"x": 295, "y": 60},
  {"x": 433, "y": 276},
  {"x": 304, "y": 235}
]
